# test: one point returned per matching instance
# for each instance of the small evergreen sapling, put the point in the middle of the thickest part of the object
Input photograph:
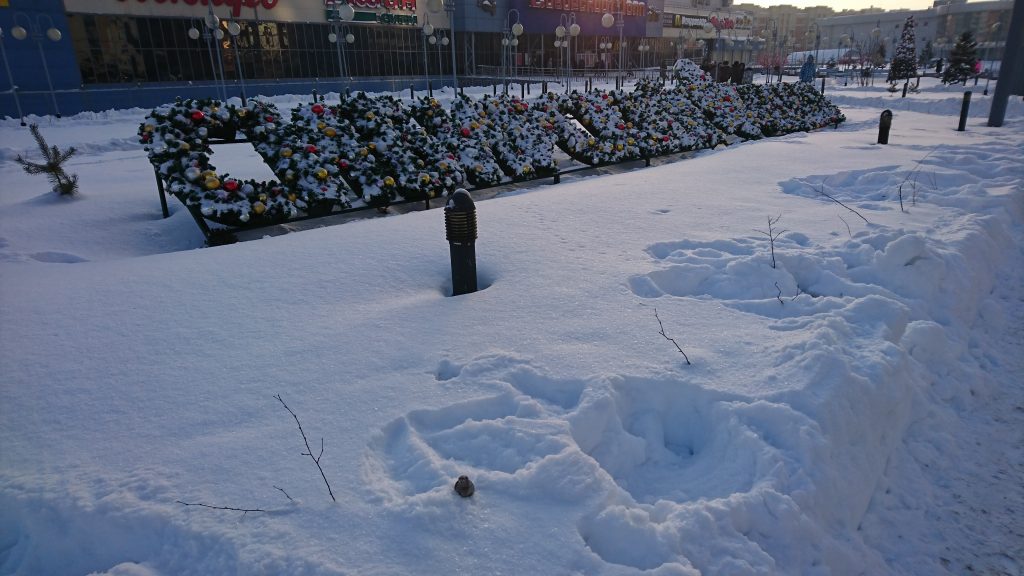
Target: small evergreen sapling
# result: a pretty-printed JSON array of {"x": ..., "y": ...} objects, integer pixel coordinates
[
  {"x": 961, "y": 60},
  {"x": 904, "y": 63},
  {"x": 63, "y": 184}
]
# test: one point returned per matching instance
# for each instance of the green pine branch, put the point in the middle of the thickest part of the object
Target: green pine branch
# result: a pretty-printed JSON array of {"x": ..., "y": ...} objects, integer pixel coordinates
[{"x": 63, "y": 184}]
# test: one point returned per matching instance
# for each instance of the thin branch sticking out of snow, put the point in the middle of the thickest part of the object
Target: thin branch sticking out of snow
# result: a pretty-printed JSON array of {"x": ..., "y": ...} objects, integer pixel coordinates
[
  {"x": 309, "y": 451},
  {"x": 821, "y": 191},
  {"x": 662, "y": 332},
  {"x": 242, "y": 510}
]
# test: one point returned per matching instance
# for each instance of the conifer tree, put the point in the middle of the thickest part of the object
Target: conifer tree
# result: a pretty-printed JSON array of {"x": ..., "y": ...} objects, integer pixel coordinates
[
  {"x": 53, "y": 167},
  {"x": 961, "y": 60},
  {"x": 904, "y": 62}
]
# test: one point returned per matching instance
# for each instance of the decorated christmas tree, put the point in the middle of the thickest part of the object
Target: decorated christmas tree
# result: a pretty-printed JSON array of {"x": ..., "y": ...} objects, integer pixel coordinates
[
  {"x": 961, "y": 60},
  {"x": 904, "y": 62}
]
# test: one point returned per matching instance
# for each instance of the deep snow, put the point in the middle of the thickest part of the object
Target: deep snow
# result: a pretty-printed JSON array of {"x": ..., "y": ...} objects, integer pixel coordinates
[{"x": 856, "y": 409}]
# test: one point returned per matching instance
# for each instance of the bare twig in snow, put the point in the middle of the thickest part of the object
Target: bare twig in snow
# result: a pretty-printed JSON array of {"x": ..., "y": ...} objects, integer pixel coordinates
[
  {"x": 285, "y": 493},
  {"x": 772, "y": 235},
  {"x": 232, "y": 508},
  {"x": 309, "y": 451},
  {"x": 848, "y": 231},
  {"x": 662, "y": 332},
  {"x": 915, "y": 173},
  {"x": 821, "y": 191},
  {"x": 779, "y": 295}
]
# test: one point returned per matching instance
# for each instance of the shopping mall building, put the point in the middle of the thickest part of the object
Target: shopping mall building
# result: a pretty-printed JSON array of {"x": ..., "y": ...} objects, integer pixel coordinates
[{"x": 65, "y": 56}]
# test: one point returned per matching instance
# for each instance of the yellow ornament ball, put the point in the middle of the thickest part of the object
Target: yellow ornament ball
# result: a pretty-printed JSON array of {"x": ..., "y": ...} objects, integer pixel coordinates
[
  {"x": 258, "y": 208},
  {"x": 389, "y": 181},
  {"x": 292, "y": 197},
  {"x": 286, "y": 152},
  {"x": 363, "y": 151},
  {"x": 211, "y": 183},
  {"x": 330, "y": 132},
  {"x": 321, "y": 174}
]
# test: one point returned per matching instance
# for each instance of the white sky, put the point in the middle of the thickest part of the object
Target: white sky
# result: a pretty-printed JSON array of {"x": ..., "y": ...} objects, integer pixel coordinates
[{"x": 855, "y": 4}]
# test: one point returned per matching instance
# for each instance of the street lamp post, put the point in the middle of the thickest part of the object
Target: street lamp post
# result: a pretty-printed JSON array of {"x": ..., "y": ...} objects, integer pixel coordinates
[
  {"x": 449, "y": 7},
  {"x": 36, "y": 29},
  {"x": 994, "y": 29},
  {"x": 194, "y": 34},
  {"x": 340, "y": 35},
  {"x": 510, "y": 34},
  {"x": 607, "y": 19},
  {"x": 817, "y": 44},
  {"x": 844, "y": 40},
  {"x": 771, "y": 59},
  {"x": 10, "y": 78},
  {"x": 234, "y": 29},
  {"x": 428, "y": 32},
  {"x": 565, "y": 33},
  {"x": 213, "y": 26},
  {"x": 605, "y": 46}
]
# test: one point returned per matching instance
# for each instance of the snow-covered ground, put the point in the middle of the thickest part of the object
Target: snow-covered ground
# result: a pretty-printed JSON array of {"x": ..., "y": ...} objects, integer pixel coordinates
[{"x": 854, "y": 403}]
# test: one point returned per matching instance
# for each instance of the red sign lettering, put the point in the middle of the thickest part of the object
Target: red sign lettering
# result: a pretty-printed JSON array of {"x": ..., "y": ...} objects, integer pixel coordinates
[{"x": 235, "y": 5}]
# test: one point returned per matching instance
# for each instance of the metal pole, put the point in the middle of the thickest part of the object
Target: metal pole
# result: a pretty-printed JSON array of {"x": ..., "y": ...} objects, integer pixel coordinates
[
  {"x": 450, "y": 8},
  {"x": 35, "y": 29},
  {"x": 46, "y": 70},
  {"x": 1009, "y": 69},
  {"x": 238, "y": 62},
  {"x": 964, "y": 109},
  {"x": 10, "y": 78}
]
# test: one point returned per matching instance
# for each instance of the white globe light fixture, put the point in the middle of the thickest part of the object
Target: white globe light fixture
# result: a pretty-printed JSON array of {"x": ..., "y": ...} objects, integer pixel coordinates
[{"x": 346, "y": 12}]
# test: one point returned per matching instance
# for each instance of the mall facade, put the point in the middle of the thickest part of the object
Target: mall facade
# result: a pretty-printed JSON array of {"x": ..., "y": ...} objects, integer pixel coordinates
[{"x": 66, "y": 56}]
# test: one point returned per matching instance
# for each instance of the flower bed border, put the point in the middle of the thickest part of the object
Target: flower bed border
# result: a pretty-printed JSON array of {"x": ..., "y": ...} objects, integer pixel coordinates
[{"x": 315, "y": 154}]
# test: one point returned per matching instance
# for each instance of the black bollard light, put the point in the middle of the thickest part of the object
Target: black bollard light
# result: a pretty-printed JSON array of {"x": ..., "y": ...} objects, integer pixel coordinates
[
  {"x": 883, "y": 127},
  {"x": 964, "y": 108},
  {"x": 822, "y": 85},
  {"x": 905, "y": 84},
  {"x": 460, "y": 230}
]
